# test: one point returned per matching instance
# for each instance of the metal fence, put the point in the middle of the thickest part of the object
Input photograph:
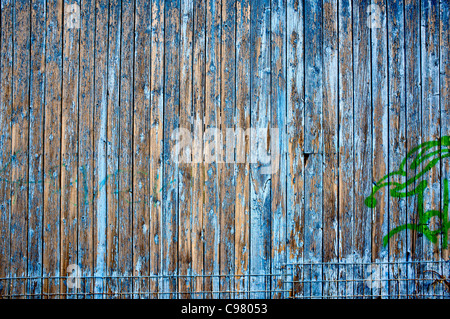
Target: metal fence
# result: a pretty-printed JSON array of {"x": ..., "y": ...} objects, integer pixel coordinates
[{"x": 335, "y": 280}]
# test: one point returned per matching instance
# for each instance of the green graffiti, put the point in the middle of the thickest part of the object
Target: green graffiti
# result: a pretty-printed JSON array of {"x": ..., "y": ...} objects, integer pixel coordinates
[{"x": 423, "y": 157}]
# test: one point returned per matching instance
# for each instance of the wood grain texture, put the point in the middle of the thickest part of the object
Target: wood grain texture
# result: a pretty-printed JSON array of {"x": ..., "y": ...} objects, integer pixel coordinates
[
  {"x": 242, "y": 205},
  {"x": 362, "y": 143},
  {"x": 141, "y": 147},
  {"x": 431, "y": 124},
  {"x": 156, "y": 146},
  {"x": 198, "y": 173},
  {"x": 112, "y": 150},
  {"x": 212, "y": 145},
  {"x": 222, "y": 148},
  {"x": 100, "y": 146},
  {"x": 69, "y": 146},
  {"x": 346, "y": 147},
  {"x": 126, "y": 154},
  {"x": 86, "y": 145},
  {"x": 379, "y": 152},
  {"x": 330, "y": 147},
  {"x": 295, "y": 131},
  {"x": 444, "y": 85},
  {"x": 52, "y": 149},
  {"x": 313, "y": 148},
  {"x": 260, "y": 182},
  {"x": 170, "y": 175},
  {"x": 185, "y": 177},
  {"x": 226, "y": 170},
  {"x": 19, "y": 144},
  {"x": 278, "y": 145},
  {"x": 6, "y": 74},
  {"x": 397, "y": 137},
  {"x": 413, "y": 121},
  {"x": 36, "y": 146}
]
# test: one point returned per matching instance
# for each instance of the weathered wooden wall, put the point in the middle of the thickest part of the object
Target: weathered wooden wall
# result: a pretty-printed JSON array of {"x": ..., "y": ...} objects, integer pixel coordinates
[{"x": 89, "y": 105}]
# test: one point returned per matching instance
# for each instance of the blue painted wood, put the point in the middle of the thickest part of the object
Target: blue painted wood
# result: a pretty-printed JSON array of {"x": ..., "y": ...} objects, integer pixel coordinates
[
  {"x": 141, "y": 147},
  {"x": 113, "y": 146},
  {"x": 87, "y": 145},
  {"x": 397, "y": 139},
  {"x": 6, "y": 59},
  {"x": 444, "y": 85},
  {"x": 431, "y": 119},
  {"x": 36, "y": 146},
  {"x": 330, "y": 146},
  {"x": 126, "y": 153},
  {"x": 313, "y": 149},
  {"x": 186, "y": 122},
  {"x": 170, "y": 190},
  {"x": 362, "y": 144},
  {"x": 346, "y": 146},
  {"x": 379, "y": 156},
  {"x": 212, "y": 145},
  {"x": 328, "y": 97},
  {"x": 227, "y": 188},
  {"x": 278, "y": 146},
  {"x": 70, "y": 142},
  {"x": 100, "y": 142},
  {"x": 156, "y": 160},
  {"x": 52, "y": 148},
  {"x": 19, "y": 132},
  {"x": 295, "y": 134},
  {"x": 242, "y": 206},
  {"x": 413, "y": 125},
  {"x": 260, "y": 182},
  {"x": 198, "y": 172}
]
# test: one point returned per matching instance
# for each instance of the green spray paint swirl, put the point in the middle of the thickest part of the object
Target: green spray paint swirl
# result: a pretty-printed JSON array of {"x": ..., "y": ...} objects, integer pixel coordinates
[{"x": 427, "y": 154}]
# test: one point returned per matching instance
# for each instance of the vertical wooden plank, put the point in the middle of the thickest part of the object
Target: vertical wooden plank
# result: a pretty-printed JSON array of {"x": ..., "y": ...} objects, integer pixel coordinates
[
  {"x": 362, "y": 143},
  {"x": 346, "y": 148},
  {"x": 313, "y": 76},
  {"x": 212, "y": 118},
  {"x": 52, "y": 148},
  {"x": 377, "y": 27},
  {"x": 69, "y": 144},
  {"x": 126, "y": 156},
  {"x": 444, "y": 85},
  {"x": 141, "y": 147},
  {"x": 171, "y": 122},
  {"x": 86, "y": 146},
  {"x": 313, "y": 225},
  {"x": 413, "y": 126},
  {"x": 242, "y": 208},
  {"x": 330, "y": 146},
  {"x": 295, "y": 135},
  {"x": 397, "y": 141},
  {"x": 278, "y": 147},
  {"x": 100, "y": 174},
  {"x": 198, "y": 174},
  {"x": 431, "y": 121},
  {"x": 112, "y": 150},
  {"x": 260, "y": 204},
  {"x": 36, "y": 147},
  {"x": 19, "y": 145},
  {"x": 6, "y": 156},
  {"x": 185, "y": 232},
  {"x": 227, "y": 181},
  {"x": 156, "y": 145},
  {"x": 313, "y": 146}
]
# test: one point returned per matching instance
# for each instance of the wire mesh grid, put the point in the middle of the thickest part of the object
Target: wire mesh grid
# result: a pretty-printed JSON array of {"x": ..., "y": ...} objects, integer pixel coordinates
[
  {"x": 393, "y": 280},
  {"x": 308, "y": 280}
]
